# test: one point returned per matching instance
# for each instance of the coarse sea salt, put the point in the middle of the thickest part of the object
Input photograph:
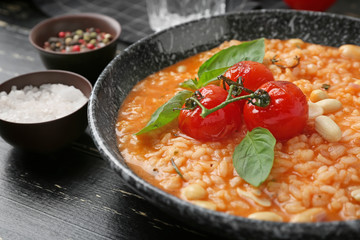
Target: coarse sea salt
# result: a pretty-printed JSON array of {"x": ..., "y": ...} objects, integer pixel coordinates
[{"x": 40, "y": 104}]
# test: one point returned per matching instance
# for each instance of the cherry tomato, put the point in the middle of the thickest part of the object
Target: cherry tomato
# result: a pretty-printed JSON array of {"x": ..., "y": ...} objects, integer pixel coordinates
[
  {"x": 253, "y": 74},
  {"x": 219, "y": 124},
  {"x": 311, "y": 5},
  {"x": 286, "y": 115}
]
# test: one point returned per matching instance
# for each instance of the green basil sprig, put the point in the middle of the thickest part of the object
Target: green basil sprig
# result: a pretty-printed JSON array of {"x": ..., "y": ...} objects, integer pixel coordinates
[
  {"x": 253, "y": 158},
  {"x": 221, "y": 61},
  {"x": 166, "y": 113},
  {"x": 208, "y": 72},
  {"x": 191, "y": 84}
]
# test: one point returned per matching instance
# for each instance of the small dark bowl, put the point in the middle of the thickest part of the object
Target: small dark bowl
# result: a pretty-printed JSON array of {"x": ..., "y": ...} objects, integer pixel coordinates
[
  {"x": 48, "y": 136},
  {"x": 88, "y": 64},
  {"x": 169, "y": 46}
]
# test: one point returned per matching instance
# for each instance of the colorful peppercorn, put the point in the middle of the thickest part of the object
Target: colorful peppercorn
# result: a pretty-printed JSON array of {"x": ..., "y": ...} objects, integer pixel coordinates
[
  {"x": 61, "y": 34},
  {"x": 78, "y": 41}
]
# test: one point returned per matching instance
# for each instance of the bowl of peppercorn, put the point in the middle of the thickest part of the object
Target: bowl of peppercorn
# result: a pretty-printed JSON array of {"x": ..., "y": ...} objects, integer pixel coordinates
[{"x": 83, "y": 43}]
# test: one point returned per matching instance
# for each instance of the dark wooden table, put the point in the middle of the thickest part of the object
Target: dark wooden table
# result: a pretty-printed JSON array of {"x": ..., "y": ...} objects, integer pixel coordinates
[{"x": 72, "y": 194}]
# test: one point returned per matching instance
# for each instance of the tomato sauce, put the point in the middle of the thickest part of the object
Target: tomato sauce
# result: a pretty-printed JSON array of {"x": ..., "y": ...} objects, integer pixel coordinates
[{"x": 311, "y": 180}]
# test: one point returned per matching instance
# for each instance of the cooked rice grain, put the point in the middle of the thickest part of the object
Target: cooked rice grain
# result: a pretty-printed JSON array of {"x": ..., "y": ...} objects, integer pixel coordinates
[{"x": 311, "y": 180}]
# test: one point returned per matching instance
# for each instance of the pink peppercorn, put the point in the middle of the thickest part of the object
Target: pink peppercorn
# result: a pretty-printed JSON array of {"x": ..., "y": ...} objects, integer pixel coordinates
[
  {"x": 78, "y": 41},
  {"x": 90, "y": 46},
  {"x": 62, "y": 34},
  {"x": 76, "y": 48}
]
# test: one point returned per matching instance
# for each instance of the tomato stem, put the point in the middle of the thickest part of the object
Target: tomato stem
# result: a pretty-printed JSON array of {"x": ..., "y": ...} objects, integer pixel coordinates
[
  {"x": 258, "y": 98},
  {"x": 239, "y": 85}
]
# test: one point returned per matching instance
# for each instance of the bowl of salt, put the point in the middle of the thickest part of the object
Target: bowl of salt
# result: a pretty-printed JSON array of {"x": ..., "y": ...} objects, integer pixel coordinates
[{"x": 43, "y": 111}]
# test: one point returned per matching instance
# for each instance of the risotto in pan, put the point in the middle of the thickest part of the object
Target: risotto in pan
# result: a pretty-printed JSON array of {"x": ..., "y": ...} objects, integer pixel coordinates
[{"x": 314, "y": 174}]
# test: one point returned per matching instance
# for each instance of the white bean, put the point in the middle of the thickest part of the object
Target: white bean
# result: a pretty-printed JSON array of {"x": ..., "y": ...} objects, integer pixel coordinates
[
  {"x": 350, "y": 51},
  {"x": 328, "y": 129},
  {"x": 314, "y": 110},
  {"x": 317, "y": 95},
  {"x": 329, "y": 105},
  {"x": 194, "y": 192}
]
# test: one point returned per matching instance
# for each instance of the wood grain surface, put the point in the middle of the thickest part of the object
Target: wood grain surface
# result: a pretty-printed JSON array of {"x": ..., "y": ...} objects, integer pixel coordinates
[{"x": 72, "y": 194}]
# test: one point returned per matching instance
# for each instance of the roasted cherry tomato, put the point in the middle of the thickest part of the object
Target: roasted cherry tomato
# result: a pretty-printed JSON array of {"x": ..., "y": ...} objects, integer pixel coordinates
[
  {"x": 286, "y": 115},
  {"x": 311, "y": 5},
  {"x": 219, "y": 124},
  {"x": 253, "y": 74}
]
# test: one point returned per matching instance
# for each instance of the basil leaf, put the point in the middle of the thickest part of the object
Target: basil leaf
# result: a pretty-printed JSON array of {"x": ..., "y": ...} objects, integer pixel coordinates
[
  {"x": 221, "y": 61},
  {"x": 165, "y": 114},
  {"x": 253, "y": 158},
  {"x": 190, "y": 84}
]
